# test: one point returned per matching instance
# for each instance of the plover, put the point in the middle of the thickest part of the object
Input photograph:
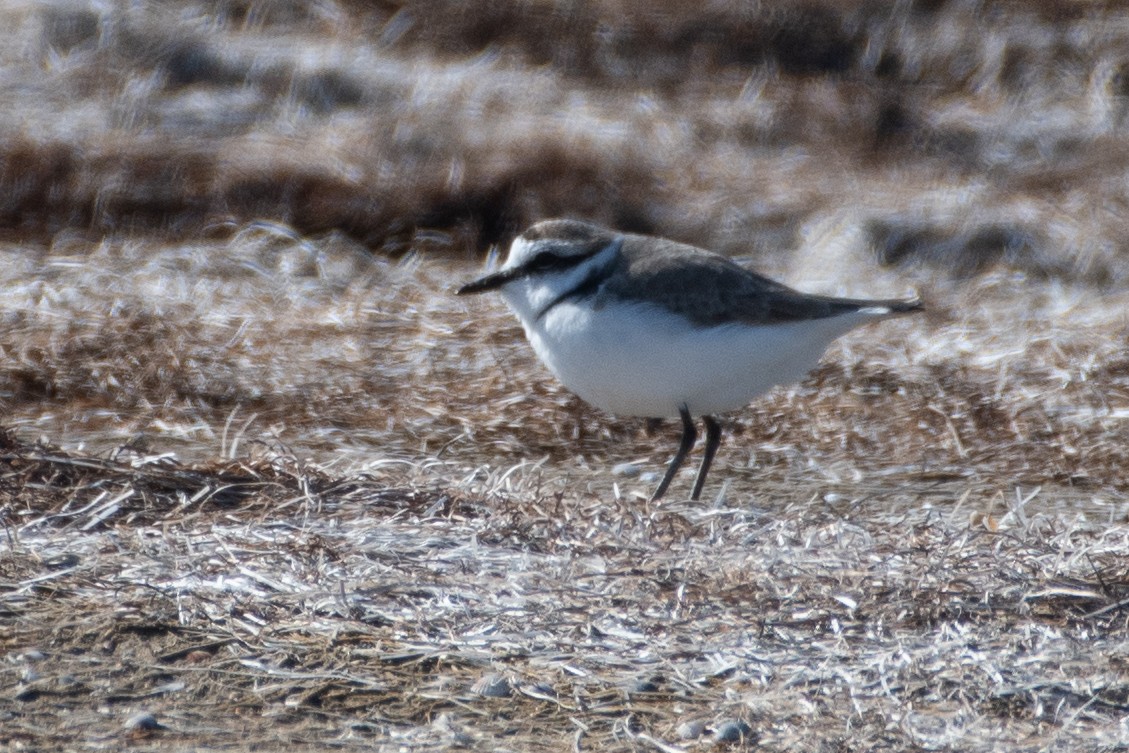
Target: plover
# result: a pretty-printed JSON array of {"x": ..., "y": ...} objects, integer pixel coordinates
[{"x": 644, "y": 326}]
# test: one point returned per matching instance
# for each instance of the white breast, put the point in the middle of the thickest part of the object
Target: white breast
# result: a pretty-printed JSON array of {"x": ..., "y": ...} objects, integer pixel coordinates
[{"x": 640, "y": 360}]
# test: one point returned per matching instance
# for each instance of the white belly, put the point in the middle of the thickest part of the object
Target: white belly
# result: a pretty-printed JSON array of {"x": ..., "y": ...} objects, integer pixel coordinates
[{"x": 639, "y": 360}]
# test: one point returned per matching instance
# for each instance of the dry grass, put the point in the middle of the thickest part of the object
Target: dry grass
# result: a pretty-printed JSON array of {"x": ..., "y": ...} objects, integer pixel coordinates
[
  {"x": 314, "y": 346},
  {"x": 265, "y": 602},
  {"x": 265, "y": 482}
]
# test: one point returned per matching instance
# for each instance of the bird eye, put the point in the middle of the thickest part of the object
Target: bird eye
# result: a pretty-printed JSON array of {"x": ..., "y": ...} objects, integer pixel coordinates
[{"x": 543, "y": 261}]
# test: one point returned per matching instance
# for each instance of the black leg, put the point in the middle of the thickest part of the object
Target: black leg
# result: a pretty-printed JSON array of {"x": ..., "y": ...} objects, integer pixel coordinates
[
  {"x": 713, "y": 439},
  {"x": 689, "y": 437}
]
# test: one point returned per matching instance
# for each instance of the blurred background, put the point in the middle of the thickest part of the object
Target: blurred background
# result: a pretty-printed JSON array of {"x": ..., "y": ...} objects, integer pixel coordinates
[
  {"x": 958, "y": 134},
  {"x": 251, "y": 213}
]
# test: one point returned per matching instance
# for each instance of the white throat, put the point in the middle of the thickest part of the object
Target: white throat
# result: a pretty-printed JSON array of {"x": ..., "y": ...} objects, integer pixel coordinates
[{"x": 530, "y": 296}]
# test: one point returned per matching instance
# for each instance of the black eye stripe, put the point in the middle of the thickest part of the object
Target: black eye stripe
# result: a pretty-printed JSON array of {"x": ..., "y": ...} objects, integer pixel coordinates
[
  {"x": 557, "y": 257},
  {"x": 548, "y": 260}
]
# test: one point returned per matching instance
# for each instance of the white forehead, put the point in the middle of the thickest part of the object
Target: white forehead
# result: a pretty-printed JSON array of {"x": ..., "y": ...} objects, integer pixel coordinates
[{"x": 522, "y": 251}]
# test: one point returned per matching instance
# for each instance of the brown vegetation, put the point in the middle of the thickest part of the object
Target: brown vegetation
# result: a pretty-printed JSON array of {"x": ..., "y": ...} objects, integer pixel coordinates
[{"x": 265, "y": 482}]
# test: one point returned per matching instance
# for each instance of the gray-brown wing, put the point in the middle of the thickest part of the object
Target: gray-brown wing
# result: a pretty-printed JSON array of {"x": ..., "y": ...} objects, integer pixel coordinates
[{"x": 710, "y": 289}]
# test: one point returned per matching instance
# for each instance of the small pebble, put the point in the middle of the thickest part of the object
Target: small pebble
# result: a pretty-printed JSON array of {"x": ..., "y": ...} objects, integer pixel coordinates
[
  {"x": 447, "y": 726},
  {"x": 626, "y": 469},
  {"x": 33, "y": 654},
  {"x": 143, "y": 720},
  {"x": 492, "y": 686},
  {"x": 61, "y": 561},
  {"x": 645, "y": 685},
  {"x": 541, "y": 690},
  {"x": 732, "y": 732},
  {"x": 691, "y": 730},
  {"x": 27, "y": 692}
]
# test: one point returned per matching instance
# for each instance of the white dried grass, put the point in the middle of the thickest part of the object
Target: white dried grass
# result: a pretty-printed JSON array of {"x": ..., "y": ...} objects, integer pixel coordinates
[{"x": 344, "y": 608}]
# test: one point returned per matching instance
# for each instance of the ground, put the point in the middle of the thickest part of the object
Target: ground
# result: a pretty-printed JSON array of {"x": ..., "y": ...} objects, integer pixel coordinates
[{"x": 265, "y": 481}]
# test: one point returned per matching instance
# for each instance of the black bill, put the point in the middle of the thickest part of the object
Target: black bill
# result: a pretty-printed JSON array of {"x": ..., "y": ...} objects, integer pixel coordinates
[{"x": 489, "y": 282}]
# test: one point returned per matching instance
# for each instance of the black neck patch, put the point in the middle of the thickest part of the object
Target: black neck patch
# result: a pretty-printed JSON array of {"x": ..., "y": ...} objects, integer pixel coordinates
[{"x": 590, "y": 283}]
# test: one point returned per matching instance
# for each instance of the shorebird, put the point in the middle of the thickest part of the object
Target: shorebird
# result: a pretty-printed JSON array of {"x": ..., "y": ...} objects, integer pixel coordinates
[{"x": 644, "y": 326}]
